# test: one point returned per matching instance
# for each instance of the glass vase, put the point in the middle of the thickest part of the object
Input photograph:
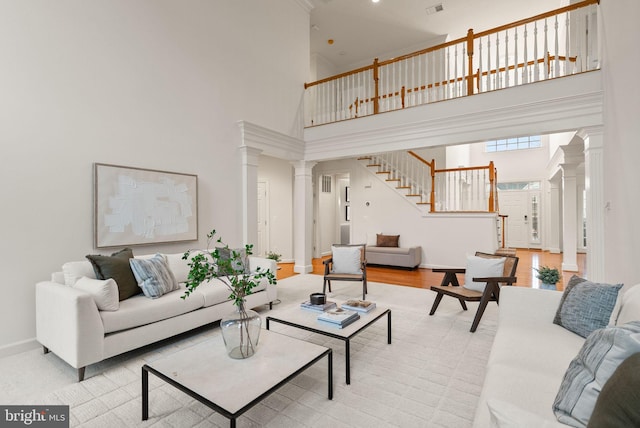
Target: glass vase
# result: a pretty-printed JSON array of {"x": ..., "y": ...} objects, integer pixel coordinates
[{"x": 241, "y": 332}]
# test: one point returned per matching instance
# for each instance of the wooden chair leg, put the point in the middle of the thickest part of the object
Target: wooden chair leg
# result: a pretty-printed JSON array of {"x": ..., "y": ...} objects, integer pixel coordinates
[
  {"x": 463, "y": 304},
  {"x": 486, "y": 295},
  {"x": 436, "y": 303},
  {"x": 81, "y": 374},
  {"x": 364, "y": 289}
]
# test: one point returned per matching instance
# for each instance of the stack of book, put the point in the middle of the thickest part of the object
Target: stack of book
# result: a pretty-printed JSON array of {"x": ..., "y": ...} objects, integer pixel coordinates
[
  {"x": 362, "y": 306},
  {"x": 306, "y": 305},
  {"x": 338, "y": 317}
]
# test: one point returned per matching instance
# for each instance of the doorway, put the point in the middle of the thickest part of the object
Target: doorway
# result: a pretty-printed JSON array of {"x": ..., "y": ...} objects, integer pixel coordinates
[
  {"x": 520, "y": 202},
  {"x": 262, "y": 245}
]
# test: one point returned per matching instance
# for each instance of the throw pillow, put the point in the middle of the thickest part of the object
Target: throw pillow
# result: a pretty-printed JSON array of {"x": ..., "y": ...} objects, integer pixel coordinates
[
  {"x": 601, "y": 354},
  {"x": 630, "y": 306},
  {"x": 618, "y": 405},
  {"x": 346, "y": 260},
  {"x": 481, "y": 267},
  {"x": 117, "y": 267},
  {"x": 154, "y": 276},
  {"x": 239, "y": 265},
  {"x": 586, "y": 306},
  {"x": 387, "y": 240},
  {"x": 103, "y": 291}
]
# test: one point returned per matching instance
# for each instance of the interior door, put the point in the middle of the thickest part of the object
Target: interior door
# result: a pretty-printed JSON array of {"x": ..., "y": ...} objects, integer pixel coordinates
[
  {"x": 514, "y": 204},
  {"x": 262, "y": 246}
]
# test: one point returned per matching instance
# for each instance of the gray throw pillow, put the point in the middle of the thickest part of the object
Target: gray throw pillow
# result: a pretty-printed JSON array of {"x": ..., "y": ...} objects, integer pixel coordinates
[
  {"x": 601, "y": 354},
  {"x": 116, "y": 266},
  {"x": 618, "y": 404},
  {"x": 586, "y": 306},
  {"x": 154, "y": 276},
  {"x": 238, "y": 266}
]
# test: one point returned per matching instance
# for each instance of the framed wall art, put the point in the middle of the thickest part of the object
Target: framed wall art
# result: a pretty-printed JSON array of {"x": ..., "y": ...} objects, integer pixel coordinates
[{"x": 136, "y": 206}]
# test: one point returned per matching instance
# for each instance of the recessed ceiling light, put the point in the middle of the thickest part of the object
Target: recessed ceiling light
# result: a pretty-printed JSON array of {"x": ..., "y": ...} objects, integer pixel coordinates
[{"x": 375, "y": 1}]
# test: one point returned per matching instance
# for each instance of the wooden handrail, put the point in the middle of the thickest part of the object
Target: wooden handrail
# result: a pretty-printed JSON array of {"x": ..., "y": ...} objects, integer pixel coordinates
[
  {"x": 470, "y": 36},
  {"x": 465, "y": 168},
  {"x": 538, "y": 17},
  {"x": 417, "y": 156}
]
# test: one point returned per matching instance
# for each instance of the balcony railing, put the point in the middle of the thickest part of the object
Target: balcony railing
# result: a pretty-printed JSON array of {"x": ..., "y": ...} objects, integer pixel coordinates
[
  {"x": 551, "y": 45},
  {"x": 469, "y": 189}
]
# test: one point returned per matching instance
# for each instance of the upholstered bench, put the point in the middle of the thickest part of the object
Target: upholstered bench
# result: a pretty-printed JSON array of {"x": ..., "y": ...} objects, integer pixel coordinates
[{"x": 387, "y": 252}]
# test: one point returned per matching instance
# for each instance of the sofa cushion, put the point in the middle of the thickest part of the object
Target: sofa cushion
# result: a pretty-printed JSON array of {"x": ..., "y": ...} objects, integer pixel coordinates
[
  {"x": 103, "y": 291},
  {"x": 586, "y": 306},
  {"x": 507, "y": 415},
  {"x": 139, "y": 310},
  {"x": 480, "y": 267},
  {"x": 630, "y": 306},
  {"x": 602, "y": 353},
  {"x": 154, "y": 276},
  {"x": 387, "y": 240},
  {"x": 117, "y": 267},
  {"x": 618, "y": 404},
  {"x": 73, "y": 271}
]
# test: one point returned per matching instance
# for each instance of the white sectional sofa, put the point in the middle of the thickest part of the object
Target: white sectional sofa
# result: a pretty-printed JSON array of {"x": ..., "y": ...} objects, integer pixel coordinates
[
  {"x": 69, "y": 323},
  {"x": 530, "y": 356}
]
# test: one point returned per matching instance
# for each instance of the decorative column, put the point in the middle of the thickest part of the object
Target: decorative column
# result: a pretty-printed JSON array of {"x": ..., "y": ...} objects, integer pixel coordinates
[
  {"x": 250, "y": 162},
  {"x": 596, "y": 206},
  {"x": 569, "y": 218},
  {"x": 303, "y": 216},
  {"x": 554, "y": 215}
]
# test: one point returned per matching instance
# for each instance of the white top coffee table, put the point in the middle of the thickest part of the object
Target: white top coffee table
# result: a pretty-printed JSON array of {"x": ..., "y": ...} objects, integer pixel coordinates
[
  {"x": 231, "y": 387},
  {"x": 307, "y": 320}
]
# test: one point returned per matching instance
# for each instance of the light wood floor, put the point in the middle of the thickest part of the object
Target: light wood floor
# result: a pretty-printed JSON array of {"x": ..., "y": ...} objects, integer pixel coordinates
[{"x": 424, "y": 278}]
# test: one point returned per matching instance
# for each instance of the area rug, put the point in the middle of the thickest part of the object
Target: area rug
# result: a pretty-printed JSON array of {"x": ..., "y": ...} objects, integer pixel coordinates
[{"x": 431, "y": 375}]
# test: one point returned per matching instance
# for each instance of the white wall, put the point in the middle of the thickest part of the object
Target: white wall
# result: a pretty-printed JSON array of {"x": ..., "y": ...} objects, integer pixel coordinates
[
  {"x": 620, "y": 65},
  {"x": 151, "y": 83},
  {"x": 279, "y": 174}
]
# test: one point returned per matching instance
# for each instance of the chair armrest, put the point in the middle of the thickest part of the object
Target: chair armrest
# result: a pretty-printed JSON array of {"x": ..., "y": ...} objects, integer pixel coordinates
[
  {"x": 68, "y": 323},
  {"x": 263, "y": 263},
  {"x": 507, "y": 279},
  {"x": 449, "y": 270}
]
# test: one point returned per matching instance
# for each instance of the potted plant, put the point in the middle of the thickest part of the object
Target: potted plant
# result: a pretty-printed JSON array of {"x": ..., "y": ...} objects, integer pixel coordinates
[
  {"x": 241, "y": 329},
  {"x": 274, "y": 256},
  {"x": 549, "y": 277}
]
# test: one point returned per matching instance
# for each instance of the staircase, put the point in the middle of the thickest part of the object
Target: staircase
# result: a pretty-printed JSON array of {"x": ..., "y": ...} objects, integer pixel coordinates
[{"x": 405, "y": 172}]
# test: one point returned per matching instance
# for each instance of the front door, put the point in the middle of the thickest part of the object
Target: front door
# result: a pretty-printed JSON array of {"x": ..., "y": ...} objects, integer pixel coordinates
[{"x": 514, "y": 204}]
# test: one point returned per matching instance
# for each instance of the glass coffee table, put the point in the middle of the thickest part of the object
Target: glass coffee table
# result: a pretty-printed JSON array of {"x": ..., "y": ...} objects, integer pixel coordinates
[
  {"x": 231, "y": 387},
  {"x": 307, "y": 320}
]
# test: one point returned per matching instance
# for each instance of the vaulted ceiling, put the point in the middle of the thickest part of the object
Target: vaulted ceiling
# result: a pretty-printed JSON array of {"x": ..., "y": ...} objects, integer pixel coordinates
[{"x": 362, "y": 30}]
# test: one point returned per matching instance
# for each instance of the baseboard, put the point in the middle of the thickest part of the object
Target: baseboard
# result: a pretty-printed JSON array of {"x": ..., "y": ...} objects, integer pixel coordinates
[{"x": 18, "y": 347}]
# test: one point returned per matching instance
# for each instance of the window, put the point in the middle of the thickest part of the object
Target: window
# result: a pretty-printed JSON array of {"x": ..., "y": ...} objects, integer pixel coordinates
[
  {"x": 520, "y": 185},
  {"x": 515, "y": 143}
]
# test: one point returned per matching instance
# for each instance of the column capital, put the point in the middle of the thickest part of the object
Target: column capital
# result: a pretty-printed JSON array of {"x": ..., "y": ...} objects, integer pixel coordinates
[
  {"x": 302, "y": 166},
  {"x": 250, "y": 155}
]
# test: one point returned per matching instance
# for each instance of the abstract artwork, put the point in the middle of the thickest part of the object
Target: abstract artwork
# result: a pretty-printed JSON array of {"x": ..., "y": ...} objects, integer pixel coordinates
[{"x": 136, "y": 206}]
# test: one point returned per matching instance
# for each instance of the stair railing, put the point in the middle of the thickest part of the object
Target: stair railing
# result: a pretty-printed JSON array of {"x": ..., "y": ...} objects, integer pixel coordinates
[
  {"x": 469, "y": 189},
  {"x": 558, "y": 43}
]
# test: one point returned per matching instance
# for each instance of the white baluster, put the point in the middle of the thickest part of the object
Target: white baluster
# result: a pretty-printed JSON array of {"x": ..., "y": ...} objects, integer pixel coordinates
[
  {"x": 536, "y": 66},
  {"x": 525, "y": 68},
  {"x": 497, "y": 81},
  {"x": 489, "y": 63},
  {"x": 546, "y": 50},
  {"x": 567, "y": 46},
  {"x": 556, "y": 63},
  {"x": 506, "y": 59},
  {"x": 515, "y": 62},
  {"x": 480, "y": 65}
]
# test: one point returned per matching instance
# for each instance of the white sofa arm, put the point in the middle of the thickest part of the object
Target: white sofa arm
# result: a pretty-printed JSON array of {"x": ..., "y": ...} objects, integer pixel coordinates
[
  {"x": 263, "y": 264},
  {"x": 528, "y": 304},
  {"x": 69, "y": 324}
]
